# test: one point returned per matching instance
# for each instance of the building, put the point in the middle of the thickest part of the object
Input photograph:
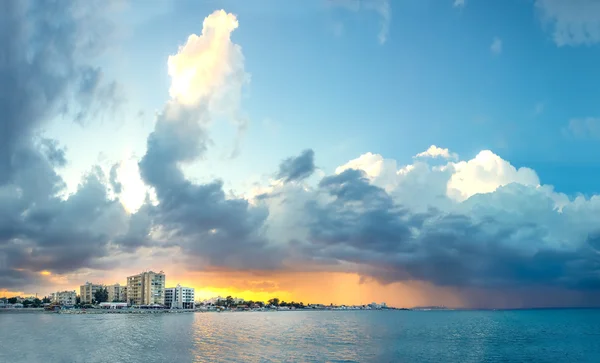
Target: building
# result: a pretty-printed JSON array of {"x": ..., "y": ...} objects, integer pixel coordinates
[
  {"x": 117, "y": 293},
  {"x": 113, "y": 305},
  {"x": 179, "y": 297},
  {"x": 66, "y": 298},
  {"x": 87, "y": 291},
  {"x": 147, "y": 288}
]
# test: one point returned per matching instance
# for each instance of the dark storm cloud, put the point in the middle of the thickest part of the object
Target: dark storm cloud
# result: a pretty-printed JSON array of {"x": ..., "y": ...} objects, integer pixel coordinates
[
  {"x": 53, "y": 152},
  {"x": 210, "y": 228},
  {"x": 43, "y": 74},
  {"x": 362, "y": 225},
  {"x": 112, "y": 178},
  {"x": 40, "y": 44},
  {"x": 297, "y": 168},
  {"x": 138, "y": 229},
  {"x": 178, "y": 137},
  {"x": 63, "y": 235}
]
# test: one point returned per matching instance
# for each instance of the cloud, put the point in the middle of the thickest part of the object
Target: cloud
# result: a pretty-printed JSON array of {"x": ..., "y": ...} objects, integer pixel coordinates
[
  {"x": 50, "y": 73},
  {"x": 198, "y": 71},
  {"x": 381, "y": 7},
  {"x": 298, "y": 168},
  {"x": 211, "y": 228},
  {"x": 114, "y": 182},
  {"x": 588, "y": 127},
  {"x": 484, "y": 174},
  {"x": 472, "y": 225},
  {"x": 571, "y": 23},
  {"x": 436, "y": 152},
  {"x": 209, "y": 69},
  {"x": 496, "y": 47},
  {"x": 459, "y": 3}
]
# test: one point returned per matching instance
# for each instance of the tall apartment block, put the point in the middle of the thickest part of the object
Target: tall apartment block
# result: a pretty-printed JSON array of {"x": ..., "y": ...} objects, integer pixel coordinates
[
  {"x": 179, "y": 297},
  {"x": 146, "y": 288},
  {"x": 117, "y": 293},
  {"x": 87, "y": 291}
]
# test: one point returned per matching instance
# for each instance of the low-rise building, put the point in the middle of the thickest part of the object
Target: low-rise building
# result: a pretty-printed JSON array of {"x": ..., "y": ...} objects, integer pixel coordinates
[
  {"x": 87, "y": 291},
  {"x": 179, "y": 297},
  {"x": 66, "y": 298}
]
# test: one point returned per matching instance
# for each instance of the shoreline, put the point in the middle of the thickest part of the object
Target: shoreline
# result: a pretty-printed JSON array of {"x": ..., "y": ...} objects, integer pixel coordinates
[{"x": 166, "y": 311}]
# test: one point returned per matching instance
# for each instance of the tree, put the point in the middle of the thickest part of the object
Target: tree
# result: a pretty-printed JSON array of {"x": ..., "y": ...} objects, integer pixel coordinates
[
  {"x": 26, "y": 303},
  {"x": 46, "y": 300},
  {"x": 37, "y": 303},
  {"x": 274, "y": 301},
  {"x": 12, "y": 300},
  {"x": 229, "y": 301},
  {"x": 78, "y": 300},
  {"x": 101, "y": 295}
]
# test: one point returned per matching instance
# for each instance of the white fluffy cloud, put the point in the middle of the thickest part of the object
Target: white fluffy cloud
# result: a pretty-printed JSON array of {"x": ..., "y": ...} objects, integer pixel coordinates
[
  {"x": 484, "y": 174},
  {"x": 486, "y": 186},
  {"x": 208, "y": 66},
  {"x": 437, "y": 152},
  {"x": 457, "y": 181}
]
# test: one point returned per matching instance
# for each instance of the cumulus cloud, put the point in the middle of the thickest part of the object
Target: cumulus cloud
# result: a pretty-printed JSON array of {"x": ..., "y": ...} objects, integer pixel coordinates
[
  {"x": 381, "y": 7},
  {"x": 437, "y": 152},
  {"x": 209, "y": 68},
  {"x": 209, "y": 227},
  {"x": 484, "y": 174},
  {"x": 474, "y": 225},
  {"x": 571, "y": 23}
]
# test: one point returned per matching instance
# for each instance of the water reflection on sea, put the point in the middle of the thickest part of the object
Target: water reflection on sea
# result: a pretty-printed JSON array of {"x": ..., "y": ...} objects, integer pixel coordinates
[{"x": 328, "y": 336}]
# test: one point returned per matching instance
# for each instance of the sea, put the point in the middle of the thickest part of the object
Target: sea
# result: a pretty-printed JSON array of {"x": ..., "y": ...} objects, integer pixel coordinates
[{"x": 559, "y": 335}]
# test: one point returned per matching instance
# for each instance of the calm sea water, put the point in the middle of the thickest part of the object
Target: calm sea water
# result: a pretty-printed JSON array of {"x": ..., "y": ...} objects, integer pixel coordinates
[{"x": 328, "y": 336}]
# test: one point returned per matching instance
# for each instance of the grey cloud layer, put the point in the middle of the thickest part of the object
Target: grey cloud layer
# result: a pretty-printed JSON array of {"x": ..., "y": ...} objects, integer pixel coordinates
[
  {"x": 44, "y": 45},
  {"x": 297, "y": 168}
]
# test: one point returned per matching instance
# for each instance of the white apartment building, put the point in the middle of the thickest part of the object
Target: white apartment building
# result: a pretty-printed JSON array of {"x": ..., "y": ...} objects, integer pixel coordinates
[
  {"x": 146, "y": 288},
  {"x": 117, "y": 293},
  {"x": 179, "y": 297},
  {"x": 66, "y": 298},
  {"x": 87, "y": 291}
]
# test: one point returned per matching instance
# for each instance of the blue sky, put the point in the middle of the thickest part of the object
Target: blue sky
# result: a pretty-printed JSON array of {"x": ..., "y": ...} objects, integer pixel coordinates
[{"x": 321, "y": 79}]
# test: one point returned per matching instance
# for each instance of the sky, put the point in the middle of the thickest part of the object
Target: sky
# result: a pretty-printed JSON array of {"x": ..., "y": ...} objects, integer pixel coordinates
[{"x": 327, "y": 151}]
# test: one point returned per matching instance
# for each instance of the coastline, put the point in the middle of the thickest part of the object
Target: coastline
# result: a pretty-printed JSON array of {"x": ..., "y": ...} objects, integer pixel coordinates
[{"x": 169, "y": 311}]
